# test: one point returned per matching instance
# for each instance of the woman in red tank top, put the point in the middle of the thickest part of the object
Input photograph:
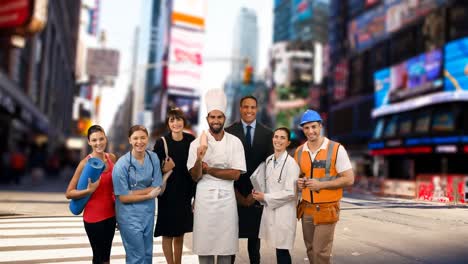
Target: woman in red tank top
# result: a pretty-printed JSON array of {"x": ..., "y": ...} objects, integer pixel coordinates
[{"x": 99, "y": 212}]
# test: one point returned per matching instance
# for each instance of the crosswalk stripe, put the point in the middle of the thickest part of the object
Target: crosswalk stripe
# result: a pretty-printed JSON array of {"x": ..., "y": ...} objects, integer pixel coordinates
[
  {"x": 41, "y": 219},
  {"x": 41, "y": 225},
  {"x": 60, "y": 240}
]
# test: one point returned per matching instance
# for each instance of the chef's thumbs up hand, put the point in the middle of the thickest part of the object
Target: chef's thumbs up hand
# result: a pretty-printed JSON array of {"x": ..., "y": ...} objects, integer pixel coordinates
[{"x": 201, "y": 151}]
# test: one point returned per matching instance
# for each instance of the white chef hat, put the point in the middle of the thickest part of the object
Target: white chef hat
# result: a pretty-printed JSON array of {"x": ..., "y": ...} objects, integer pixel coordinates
[{"x": 215, "y": 99}]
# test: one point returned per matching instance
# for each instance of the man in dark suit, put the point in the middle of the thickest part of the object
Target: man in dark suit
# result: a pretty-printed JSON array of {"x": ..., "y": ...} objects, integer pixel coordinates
[{"x": 257, "y": 140}]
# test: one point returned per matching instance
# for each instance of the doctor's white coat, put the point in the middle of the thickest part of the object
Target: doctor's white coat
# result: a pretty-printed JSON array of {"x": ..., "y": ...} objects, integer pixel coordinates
[{"x": 278, "y": 226}]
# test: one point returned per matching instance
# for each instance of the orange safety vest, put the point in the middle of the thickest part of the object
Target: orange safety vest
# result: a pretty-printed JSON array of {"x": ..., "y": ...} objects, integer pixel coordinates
[{"x": 323, "y": 170}]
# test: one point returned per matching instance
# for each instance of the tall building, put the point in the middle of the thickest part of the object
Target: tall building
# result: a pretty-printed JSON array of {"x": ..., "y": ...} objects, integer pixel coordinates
[
  {"x": 169, "y": 60},
  {"x": 296, "y": 57},
  {"x": 244, "y": 54},
  {"x": 245, "y": 44},
  {"x": 152, "y": 49},
  {"x": 84, "y": 107},
  {"x": 282, "y": 26},
  {"x": 398, "y": 94},
  {"x": 37, "y": 76},
  {"x": 301, "y": 21}
]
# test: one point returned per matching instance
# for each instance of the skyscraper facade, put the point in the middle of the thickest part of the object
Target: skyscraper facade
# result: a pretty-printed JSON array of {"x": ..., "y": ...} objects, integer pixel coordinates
[{"x": 245, "y": 46}]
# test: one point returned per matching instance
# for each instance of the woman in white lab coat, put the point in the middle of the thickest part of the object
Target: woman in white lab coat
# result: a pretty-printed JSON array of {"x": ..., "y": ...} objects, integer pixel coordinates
[{"x": 278, "y": 226}]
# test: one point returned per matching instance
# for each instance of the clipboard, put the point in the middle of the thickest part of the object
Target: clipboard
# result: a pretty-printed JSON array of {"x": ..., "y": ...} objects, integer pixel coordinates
[{"x": 258, "y": 178}]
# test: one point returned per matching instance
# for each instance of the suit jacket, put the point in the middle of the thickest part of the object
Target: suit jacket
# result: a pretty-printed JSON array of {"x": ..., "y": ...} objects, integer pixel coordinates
[{"x": 262, "y": 147}]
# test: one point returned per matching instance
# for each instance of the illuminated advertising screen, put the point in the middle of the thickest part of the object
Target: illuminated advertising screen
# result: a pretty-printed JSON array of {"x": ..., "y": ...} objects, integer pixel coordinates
[
  {"x": 418, "y": 75},
  {"x": 422, "y": 123},
  {"x": 379, "y": 128},
  {"x": 340, "y": 75},
  {"x": 370, "y": 3},
  {"x": 400, "y": 13},
  {"x": 405, "y": 125},
  {"x": 443, "y": 121},
  {"x": 391, "y": 127},
  {"x": 382, "y": 87},
  {"x": 302, "y": 10},
  {"x": 185, "y": 59},
  {"x": 188, "y": 104},
  {"x": 367, "y": 29},
  {"x": 379, "y": 22},
  {"x": 189, "y": 13},
  {"x": 456, "y": 65}
]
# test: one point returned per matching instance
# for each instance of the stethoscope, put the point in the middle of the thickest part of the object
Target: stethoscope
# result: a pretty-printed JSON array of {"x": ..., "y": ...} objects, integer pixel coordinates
[
  {"x": 282, "y": 167},
  {"x": 132, "y": 167}
]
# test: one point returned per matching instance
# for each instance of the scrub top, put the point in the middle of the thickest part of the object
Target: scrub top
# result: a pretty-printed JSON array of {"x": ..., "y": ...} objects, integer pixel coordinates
[{"x": 128, "y": 176}]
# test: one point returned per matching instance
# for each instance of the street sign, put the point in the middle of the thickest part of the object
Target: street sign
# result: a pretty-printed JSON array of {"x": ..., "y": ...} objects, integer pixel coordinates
[{"x": 102, "y": 62}]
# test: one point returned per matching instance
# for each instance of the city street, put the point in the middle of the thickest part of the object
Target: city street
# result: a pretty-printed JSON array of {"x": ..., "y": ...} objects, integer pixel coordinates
[{"x": 36, "y": 227}]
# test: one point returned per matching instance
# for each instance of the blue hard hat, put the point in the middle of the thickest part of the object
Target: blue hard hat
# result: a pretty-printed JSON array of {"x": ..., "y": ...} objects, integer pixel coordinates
[{"x": 310, "y": 116}]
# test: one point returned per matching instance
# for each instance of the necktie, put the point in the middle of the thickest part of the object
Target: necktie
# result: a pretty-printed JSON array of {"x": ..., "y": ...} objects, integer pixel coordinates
[{"x": 248, "y": 137}]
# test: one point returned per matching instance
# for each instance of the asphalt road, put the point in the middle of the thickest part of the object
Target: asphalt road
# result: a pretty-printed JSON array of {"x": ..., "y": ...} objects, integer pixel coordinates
[{"x": 371, "y": 229}]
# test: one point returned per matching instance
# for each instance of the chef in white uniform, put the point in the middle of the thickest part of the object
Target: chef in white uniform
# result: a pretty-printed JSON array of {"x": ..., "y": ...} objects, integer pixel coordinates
[{"x": 215, "y": 163}]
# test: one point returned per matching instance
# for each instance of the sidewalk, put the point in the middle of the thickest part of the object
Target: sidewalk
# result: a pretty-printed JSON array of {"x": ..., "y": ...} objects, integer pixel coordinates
[
  {"x": 44, "y": 198},
  {"x": 46, "y": 184}
]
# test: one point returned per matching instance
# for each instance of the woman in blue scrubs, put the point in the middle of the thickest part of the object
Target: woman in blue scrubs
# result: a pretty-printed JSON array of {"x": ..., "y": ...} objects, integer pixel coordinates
[{"x": 137, "y": 180}]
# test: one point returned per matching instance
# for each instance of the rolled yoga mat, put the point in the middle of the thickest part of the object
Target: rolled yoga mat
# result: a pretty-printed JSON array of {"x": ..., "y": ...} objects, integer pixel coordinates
[{"x": 93, "y": 169}]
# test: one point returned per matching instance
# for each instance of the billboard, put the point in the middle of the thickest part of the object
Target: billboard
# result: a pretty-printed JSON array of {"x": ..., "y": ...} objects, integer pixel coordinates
[
  {"x": 367, "y": 29},
  {"x": 377, "y": 23},
  {"x": 302, "y": 10},
  {"x": 382, "y": 87},
  {"x": 188, "y": 104},
  {"x": 401, "y": 13},
  {"x": 340, "y": 77},
  {"x": 185, "y": 59},
  {"x": 415, "y": 76},
  {"x": 189, "y": 13},
  {"x": 456, "y": 65}
]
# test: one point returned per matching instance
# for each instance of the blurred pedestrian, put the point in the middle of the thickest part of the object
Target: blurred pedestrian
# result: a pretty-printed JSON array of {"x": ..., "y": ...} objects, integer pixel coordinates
[
  {"x": 137, "y": 180},
  {"x": 325, "y": 170},
  {"x": 278, "y": 226},
  {"x": 256, "y": 139},
  {"x": 175, "y": 216},
  {"x": 37, "y": 162},
  {"x": 18, "y": 164},
  {"x": 99, "y": 212},
  {"x": 215, "y": 161}
]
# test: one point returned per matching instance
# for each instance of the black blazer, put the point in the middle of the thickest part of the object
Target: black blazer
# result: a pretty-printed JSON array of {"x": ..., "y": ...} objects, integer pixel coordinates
[{"x": 262, "y": 147}]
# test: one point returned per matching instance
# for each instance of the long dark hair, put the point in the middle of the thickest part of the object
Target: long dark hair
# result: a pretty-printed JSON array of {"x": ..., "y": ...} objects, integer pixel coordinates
[{"x": 95, "y": 128}]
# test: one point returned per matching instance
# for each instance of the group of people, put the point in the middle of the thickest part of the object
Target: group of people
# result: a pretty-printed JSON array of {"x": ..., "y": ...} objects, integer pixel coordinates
[{"x": 210, "y": 192}]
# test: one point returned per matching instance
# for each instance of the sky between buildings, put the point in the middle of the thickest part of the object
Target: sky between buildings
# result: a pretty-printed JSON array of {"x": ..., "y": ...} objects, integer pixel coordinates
[{"x": 119, "y": 18}]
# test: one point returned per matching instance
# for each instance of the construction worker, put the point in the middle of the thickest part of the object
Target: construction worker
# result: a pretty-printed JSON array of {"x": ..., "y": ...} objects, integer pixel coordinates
[{"x": 325, "y": 170}]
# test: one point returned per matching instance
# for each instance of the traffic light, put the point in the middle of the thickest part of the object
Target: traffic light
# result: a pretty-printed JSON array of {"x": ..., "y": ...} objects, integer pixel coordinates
[
  {"x": 83, "y": 125},
  {"x": 248, "y": 71}
]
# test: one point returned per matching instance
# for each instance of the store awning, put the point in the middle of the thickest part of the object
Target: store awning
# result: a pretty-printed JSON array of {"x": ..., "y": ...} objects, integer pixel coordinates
[{"x": 18, "y": 104}]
